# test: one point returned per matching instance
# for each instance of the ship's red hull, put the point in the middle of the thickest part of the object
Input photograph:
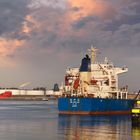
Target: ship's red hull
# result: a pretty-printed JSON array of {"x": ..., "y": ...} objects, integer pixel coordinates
[{"x": 5, "y": 94}]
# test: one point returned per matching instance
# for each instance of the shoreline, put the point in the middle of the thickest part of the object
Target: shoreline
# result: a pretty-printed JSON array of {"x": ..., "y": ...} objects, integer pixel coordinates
[{"x": 29, "y": 98}]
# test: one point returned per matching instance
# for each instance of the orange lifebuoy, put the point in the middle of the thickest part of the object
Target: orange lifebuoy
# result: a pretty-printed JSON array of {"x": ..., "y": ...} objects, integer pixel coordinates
[{"x": 76, "y": 83}]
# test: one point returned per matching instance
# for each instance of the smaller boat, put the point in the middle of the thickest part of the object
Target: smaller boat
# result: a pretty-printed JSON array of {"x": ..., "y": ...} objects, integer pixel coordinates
[
  {"x": 45, "y": 99},
  {"x": 6, "y": 94}
]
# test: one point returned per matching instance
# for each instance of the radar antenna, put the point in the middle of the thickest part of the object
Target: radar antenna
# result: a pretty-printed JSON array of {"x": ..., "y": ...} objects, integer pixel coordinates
[{"x": 92, "y": 52}]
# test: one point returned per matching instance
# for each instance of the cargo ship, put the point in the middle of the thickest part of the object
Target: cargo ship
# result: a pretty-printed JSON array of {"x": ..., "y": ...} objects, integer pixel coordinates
[{"x": 93, "y": 88}]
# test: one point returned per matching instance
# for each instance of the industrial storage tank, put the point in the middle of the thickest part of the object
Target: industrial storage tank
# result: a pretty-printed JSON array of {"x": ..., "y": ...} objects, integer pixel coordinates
[{"x": 23, "y": 92}]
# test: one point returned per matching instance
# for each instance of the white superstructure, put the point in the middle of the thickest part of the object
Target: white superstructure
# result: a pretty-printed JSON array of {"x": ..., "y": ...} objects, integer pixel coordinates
[{"x": 99, "y": 80}]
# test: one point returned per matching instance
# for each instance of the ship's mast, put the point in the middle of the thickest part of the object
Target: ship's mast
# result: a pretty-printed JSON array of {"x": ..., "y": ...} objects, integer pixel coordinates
[{"x": 92, "y": 52}]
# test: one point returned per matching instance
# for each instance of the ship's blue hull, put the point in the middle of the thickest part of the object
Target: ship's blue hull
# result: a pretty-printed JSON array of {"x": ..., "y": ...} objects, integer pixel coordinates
[{"x": 86, "y": 105}]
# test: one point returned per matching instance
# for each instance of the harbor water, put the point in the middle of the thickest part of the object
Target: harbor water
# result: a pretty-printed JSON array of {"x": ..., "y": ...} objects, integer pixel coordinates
[{"x": 39, "y": 120}]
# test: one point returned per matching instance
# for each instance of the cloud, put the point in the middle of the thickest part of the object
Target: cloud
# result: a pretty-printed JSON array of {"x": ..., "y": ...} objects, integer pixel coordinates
[
  {"x": 81, "y": 24},
  {"x": 80, "y": 12},
  {"x": 47, "y": 3},
  {"x": 7, "y": 50},
  {"x": 12, "y": 15},
  {"x": 43, "y": 35},
  {"x": 78, "y": 19}
]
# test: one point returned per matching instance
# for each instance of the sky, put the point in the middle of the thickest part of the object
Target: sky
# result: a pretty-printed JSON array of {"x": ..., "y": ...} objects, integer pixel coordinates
[{"x": 39, "y": 39}]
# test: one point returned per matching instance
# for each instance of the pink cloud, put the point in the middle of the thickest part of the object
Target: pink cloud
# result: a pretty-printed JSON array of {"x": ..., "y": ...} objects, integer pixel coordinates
[{"x": 7, "y": 48}]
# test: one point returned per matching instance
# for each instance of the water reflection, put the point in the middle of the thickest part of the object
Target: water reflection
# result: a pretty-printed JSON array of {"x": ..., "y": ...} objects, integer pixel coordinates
[
  {"x": 136, "y": 132},
  {"x": 78, "y": 127},
  {"x": 28, "y": 120},
  {"x": 39, "y": 120}
]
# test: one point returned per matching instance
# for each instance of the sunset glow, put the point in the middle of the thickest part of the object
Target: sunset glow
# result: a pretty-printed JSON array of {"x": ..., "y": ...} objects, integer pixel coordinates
[
  {"x": 45, "y": 35},
  {"x": 88, "y": 7},
  {"x": 8, "y": 46}
]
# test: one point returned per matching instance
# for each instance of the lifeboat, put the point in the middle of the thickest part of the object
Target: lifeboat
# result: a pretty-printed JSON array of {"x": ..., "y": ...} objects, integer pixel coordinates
[{"x": 76, "y": 83}]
